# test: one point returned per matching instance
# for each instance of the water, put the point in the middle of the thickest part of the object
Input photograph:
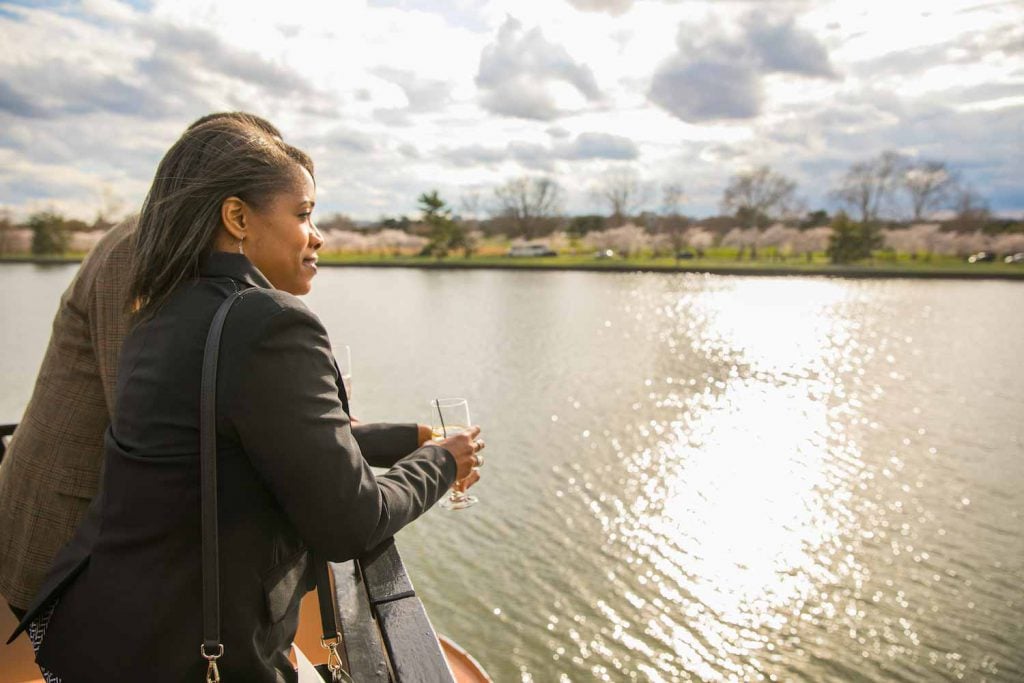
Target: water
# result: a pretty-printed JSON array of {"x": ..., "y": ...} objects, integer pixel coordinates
[{"x": 694, "y": 477}]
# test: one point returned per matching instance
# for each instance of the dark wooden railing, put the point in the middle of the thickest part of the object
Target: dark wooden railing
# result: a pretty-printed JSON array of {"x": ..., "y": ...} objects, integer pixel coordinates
[{"x": 387, "y": 634}]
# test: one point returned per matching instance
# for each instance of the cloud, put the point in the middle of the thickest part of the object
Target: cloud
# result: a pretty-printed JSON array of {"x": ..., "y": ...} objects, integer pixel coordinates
[
  {"x": 518, "y": 70},
  {"x": 714, "y": 75},
  {"x": 969, "y": 47},
  {"x": 706, "y": 90},
  {"x": 468, "y": 14},
  {"x": 423, "y": 94},
  {"x": 191, "y": 50},
  {"x": 600, "y": 146},
  {"x": 17, "y": 103},
  {"x": 204, "y": 72},
  {"x": 613, "y": 7},
  {"x": 343, "y": 139},
  {"x": 781, "y": 47},
  {"x": 60, "y": 87},
  {"x": 472, "y": 155},
  {"x": 531, "y": 155},
  {"x": 586, "y": 146}
]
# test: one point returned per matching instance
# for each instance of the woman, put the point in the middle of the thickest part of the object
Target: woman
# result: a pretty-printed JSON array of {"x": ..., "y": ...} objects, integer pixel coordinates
[{"x": 229, "y": 210}]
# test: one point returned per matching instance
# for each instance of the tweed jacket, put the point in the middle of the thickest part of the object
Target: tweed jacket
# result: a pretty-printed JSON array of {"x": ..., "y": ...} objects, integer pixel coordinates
[
  {"x": 51, "y": 469},
  {"x": 291, "y": 480}
]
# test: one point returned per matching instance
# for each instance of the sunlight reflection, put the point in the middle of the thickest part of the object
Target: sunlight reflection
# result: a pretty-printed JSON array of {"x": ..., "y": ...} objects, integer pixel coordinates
[
  {"x": 740, "y": 504},
  {"x": 775, "y": 325}
]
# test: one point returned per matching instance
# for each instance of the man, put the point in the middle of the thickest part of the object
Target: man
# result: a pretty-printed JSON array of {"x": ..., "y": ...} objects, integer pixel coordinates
[{"x": 51, "y": 469}]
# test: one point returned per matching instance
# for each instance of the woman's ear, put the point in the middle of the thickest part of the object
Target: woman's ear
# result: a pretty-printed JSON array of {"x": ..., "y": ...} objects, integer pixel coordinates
[{"x": 232, "y": 217}]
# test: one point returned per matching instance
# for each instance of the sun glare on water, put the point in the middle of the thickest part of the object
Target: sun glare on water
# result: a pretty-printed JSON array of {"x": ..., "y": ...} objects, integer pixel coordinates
[{"x": 741, "y": 500}]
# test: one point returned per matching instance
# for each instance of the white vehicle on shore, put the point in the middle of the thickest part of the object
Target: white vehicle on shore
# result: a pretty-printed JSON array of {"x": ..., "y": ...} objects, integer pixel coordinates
[{"x": 534, "y": 249}]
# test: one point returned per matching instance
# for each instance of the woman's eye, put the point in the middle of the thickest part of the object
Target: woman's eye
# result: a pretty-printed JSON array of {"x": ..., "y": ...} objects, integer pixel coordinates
[{"x": 306, "y": 215}]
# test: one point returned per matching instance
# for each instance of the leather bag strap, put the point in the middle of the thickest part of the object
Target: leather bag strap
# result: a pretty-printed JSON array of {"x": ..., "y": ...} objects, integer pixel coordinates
[
  {"x": 212, "y": 648},
  {"x": 331, "y": 638}
]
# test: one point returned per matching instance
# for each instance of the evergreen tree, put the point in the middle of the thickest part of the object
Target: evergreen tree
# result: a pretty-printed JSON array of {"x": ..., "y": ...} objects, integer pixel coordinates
[
  {"x": 851, "y": 241},
  {"x": 445, "y": 233},
  {"x": 49, "y": 233}
]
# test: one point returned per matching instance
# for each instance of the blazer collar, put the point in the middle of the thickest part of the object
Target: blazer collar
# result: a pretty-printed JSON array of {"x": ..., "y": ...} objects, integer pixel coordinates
[{"x": 235, "y": 266}]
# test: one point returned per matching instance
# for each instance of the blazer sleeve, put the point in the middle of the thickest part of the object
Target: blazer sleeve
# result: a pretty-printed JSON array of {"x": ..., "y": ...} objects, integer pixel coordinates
[
  {"x": 285, "y": 408},
  {"x": 383, "y": 444}
]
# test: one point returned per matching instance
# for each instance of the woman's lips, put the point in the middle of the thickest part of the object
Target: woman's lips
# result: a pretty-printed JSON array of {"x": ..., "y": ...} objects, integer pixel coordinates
[{"x": 310, "y": 262}]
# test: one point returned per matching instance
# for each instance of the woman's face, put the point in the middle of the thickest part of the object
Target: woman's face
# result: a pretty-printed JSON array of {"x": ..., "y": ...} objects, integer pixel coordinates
[{"x": 281, "y": 239}]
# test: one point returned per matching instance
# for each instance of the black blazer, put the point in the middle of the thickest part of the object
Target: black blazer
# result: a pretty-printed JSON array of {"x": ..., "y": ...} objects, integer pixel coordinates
[{"x": 292, "y": 478}]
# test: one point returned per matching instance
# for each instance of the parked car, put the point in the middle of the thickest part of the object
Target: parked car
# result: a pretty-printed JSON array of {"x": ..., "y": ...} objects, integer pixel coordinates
[
  {"x": 981, "y": 257},
  {"x": 604, "y": 253},
  {"x": 531, "y": 250},
  {"x": 1015, "y": 258},
  {"x": 685, "y": 255}
]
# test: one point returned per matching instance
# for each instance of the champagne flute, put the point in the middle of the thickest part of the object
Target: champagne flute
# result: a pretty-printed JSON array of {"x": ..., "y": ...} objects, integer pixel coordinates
[
  {"x": 448, "y": 417},
  {"x": 345, "y": 366}
]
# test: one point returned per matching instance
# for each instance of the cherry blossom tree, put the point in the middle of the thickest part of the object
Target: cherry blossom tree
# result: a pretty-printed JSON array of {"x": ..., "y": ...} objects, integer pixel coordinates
[
  {"x": 627, "y": 240},
  {"x": 742, "y": 239},
  {"x": 812, "y": 241}
]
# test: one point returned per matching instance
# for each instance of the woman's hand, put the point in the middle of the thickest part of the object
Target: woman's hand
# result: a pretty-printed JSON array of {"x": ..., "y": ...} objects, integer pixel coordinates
[{"x": 465, "y": 446}]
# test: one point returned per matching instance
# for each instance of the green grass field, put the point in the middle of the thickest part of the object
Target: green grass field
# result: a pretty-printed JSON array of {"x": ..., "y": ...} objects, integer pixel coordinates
[
  {"x": 721, "y": 261},
  {"x": 725, "y": 263}
]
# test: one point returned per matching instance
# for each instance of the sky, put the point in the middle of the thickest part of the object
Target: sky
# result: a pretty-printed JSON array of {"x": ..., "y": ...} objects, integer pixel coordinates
[{"x": 393, "y": 98}]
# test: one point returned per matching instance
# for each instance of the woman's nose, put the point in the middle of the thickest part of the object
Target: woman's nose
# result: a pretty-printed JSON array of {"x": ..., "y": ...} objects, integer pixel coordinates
[{"x": 316, "y": 238}]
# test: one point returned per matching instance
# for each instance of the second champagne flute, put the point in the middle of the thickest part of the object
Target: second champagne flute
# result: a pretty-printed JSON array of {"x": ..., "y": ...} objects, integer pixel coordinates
[{"x": 345, "y": 367}]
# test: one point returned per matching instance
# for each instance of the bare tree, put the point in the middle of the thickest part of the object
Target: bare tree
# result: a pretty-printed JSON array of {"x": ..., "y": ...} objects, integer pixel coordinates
[
  {"x": 622, "y": 191},
  {"x": 757, "y": 197},
  {"x": 672, "y": 224},
  {"x": 471, "y": 203},
  {"x": 111, "y": 207},
  {"x": 529, "y": 203},
  {"x": 928, "y": 184},
  {"x": 672, "y": 195},
  {"x": 972, "y": 211},
  {"x": 868, "y": 185}
]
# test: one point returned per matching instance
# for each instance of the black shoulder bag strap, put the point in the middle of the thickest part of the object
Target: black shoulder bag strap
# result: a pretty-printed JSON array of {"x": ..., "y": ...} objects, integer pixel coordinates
[{"x": 212, "y": 648}]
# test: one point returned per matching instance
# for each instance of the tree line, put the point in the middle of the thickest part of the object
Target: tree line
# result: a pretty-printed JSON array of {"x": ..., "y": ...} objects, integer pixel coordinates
[
  {"x": 876, "y": 198},
  {"x": 880, "y": 195}
]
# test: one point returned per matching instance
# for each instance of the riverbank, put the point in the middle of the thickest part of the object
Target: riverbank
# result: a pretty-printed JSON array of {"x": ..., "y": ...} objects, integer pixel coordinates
[{"x": 903, "y": 268}]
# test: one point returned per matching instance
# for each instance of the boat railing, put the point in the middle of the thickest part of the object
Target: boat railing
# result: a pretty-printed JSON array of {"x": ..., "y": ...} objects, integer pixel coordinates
[{"x": 386, "y": 633}]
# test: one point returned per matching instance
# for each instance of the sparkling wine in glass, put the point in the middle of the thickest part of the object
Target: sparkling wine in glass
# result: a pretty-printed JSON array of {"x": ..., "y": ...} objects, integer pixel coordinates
[
  {"x": 448, "y": 417},
  {"x": 345, "y": 366}
]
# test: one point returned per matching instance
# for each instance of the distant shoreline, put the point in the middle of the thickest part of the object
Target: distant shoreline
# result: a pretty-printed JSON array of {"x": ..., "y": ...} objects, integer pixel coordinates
[{"x": 967, "y": 272}]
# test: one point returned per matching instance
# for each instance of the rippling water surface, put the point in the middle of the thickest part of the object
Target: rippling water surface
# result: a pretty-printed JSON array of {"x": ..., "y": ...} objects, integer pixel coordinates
[{"x": 695, "y": 477}]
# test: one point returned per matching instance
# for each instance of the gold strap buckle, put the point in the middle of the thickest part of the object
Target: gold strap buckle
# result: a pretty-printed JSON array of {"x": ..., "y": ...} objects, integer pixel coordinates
[
  {"x": 333, "y": 658},
  {"x": 212, "y": 673}
]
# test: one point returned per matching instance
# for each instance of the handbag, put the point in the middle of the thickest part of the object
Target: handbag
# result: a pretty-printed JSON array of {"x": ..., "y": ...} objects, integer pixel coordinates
[{"x": 212, "y": 649}]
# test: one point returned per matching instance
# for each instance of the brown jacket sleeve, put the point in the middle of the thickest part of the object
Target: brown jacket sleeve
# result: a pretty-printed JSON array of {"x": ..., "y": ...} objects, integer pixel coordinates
[{"x": 282, "y": 397}]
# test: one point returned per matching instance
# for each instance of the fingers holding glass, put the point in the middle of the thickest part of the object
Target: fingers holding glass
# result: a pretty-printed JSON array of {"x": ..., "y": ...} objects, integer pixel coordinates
[{"x": 450, "y": 425}]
